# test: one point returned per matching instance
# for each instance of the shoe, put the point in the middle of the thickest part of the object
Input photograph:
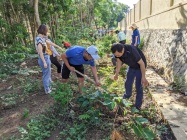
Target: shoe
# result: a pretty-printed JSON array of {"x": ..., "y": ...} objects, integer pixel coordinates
[{"x": 49, "y": 91}]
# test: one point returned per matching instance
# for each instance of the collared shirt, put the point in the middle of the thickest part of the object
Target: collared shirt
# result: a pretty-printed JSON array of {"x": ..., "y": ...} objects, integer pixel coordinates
[
  {"x": 131, "y": 56},
  {"x": 75, "y": 56},
  {"x": 135, "y": 33},
  {"x": 40, "y": 40},
  {"x": 121, "y": 36}
]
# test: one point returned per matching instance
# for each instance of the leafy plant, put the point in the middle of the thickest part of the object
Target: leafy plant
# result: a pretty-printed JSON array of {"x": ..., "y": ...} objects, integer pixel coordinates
[
  {"x": 25, "y": 113},
  {"x": 9, "y": 100},
  {"x": 63, "y": 94},
  {"x": 39, "y": 128},
  {"x": 30, "y": 85},
  {"x": 179, "y": 83},
  {"x": 141, "y": 45},
  {"x": 77, "y": 131}
]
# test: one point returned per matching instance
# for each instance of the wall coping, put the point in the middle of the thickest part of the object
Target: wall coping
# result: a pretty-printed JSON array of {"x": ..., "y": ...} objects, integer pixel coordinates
[{"x": 168, "y": 9}]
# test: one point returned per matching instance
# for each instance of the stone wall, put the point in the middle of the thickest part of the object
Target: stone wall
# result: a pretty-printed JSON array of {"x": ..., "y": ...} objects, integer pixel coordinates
[
  {"x": 166, "y": 50},
  {"x": 162, "y": 25}
]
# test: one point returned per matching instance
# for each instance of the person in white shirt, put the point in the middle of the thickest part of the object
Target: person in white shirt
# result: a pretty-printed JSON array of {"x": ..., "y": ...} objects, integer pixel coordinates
[{"x": 121, "y": 36}]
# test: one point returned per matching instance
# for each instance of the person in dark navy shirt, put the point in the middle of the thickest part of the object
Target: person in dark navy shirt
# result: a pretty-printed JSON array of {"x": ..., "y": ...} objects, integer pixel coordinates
[
  {"x": 136, "y": 61},
  {"x": 74, "y": 58},
  {"x": 135, "y": 35}
]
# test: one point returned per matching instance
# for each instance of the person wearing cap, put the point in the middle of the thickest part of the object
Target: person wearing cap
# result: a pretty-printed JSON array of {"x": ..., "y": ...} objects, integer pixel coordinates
[
  {"x": 74, "y": 58},
  {"x": 137, "y": 64},
  {"x": 121, "y": 36},
  {"x": 66, "y": 44},
  {"x": 135, "y": 36}
]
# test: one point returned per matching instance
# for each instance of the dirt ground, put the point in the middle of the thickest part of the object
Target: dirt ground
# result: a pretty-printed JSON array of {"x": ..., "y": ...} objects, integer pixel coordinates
[{"x": 12, "y": 117}]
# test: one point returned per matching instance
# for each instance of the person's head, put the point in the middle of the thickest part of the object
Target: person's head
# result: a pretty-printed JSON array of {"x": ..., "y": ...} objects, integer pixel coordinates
[
  {"x": 133, "y": 26},
  {"x": 42, "y": 29},
  {"x": 91, "y": 53},
  {"x": 66, "y": 44},
  {"x": 117, "y": 31},
  {"x": 117, "y": 49}
]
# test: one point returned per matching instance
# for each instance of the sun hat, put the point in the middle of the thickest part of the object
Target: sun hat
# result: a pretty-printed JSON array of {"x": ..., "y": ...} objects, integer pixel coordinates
[
  {"x": 133, "y": 26},
  {"x": 93, "y": 51}
]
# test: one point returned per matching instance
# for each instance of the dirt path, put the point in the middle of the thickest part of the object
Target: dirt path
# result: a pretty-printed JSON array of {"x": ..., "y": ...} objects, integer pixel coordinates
[{"x": 20, "y": 106}]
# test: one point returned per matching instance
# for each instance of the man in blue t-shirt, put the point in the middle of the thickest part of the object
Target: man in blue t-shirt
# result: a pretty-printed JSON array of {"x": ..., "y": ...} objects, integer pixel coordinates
[
  {"x": 136, "y": 61},
  {"x": 135, "y": 36},
  {"x": 74, "y": 58}
]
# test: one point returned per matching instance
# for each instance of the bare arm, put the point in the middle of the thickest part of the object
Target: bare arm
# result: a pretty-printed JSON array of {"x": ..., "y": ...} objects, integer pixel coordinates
[
  {"x": 65, "y": 59},
  {"x": 118, "y": 67},
  {"x": 142, "y": 68},
  {"x": 40, "y": 52},
  {"x": 136, "y": 40},
  {"x": 53, "y": 44},
  {"x": 94, "y": 71}
]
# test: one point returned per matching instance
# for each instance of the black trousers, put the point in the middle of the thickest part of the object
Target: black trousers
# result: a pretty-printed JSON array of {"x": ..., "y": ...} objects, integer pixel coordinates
[{"x": 56, "y": 63}]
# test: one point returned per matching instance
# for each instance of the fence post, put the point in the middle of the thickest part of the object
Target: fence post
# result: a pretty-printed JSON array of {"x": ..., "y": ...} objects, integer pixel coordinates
[
  {"x": 140, "y": 5},
  {"x": 171, "y": 2},
  {"x": 151, "y": 4},
  {"x": 134, "y": 12},
  {"x": 130, "y": 16}
]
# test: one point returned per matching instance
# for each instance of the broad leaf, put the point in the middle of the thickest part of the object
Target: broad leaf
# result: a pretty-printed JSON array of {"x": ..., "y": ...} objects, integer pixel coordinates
[
  {"x": 113, "y": 105},
  {"x": 137, "y": 131},
  {"x": 141, "y": 120},
  {"x": 107, "y": 102},
  {"x": 85, "y": 103},
  {"x": 126, "y": 103},
  {"x": 117, "y": 99},
  {"x": 134, "y": 110},
  {"x": 125, "y": 112},
  {"x": 148, "y": 134}
]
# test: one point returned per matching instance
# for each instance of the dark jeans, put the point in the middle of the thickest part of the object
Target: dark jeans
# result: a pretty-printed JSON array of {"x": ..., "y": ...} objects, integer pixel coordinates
[
  {"x": 123, "y": 41},
  {"x": 131, "y": 74},
  {"x": 56, "y": 63}
]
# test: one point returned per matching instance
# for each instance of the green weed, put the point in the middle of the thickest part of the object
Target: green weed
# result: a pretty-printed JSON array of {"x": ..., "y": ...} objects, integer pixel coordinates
[{"x": 25, "y": 113}]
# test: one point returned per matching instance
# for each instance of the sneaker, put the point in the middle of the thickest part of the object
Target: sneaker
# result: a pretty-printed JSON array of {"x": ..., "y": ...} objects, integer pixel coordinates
[{"x": 49, "y": 91}]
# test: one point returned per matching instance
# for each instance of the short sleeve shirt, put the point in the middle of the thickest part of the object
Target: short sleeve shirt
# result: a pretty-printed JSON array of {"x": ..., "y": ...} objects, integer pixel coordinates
[
  {"x": 131, "y": 57},
  {"x": 121, "y": 36},
  {"x": 135, "y": 33},
  {"x": 75, "y": 56},
  {"x": 40, "y": 40}
]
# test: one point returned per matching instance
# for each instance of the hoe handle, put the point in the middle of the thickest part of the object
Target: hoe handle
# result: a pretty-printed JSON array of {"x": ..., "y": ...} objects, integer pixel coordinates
[
  {"x": 91, "y": 80},
  {"x": 85, "y": 76}
]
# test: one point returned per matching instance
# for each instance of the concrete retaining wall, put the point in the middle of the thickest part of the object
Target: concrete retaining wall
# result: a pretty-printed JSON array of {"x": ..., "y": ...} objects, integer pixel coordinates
[{"x": 162, "y": 25}]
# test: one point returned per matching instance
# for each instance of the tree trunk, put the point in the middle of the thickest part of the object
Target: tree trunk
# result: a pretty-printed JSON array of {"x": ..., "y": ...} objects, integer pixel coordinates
[
  {"x": 37, "y": 16},
  {"x": 14, "y": 11}
]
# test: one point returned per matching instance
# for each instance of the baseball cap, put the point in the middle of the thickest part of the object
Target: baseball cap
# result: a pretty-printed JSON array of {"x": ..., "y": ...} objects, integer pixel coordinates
[
  {"x": 93, "y": 51},
  {"x": 67, "y": 44}
]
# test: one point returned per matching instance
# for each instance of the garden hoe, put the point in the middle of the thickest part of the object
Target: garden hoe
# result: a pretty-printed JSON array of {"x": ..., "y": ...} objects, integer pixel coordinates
[{"x": 91, "y": 80}]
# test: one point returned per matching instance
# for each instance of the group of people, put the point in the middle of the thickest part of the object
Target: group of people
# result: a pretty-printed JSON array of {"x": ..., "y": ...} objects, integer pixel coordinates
[{"x": 76, "y": 56}]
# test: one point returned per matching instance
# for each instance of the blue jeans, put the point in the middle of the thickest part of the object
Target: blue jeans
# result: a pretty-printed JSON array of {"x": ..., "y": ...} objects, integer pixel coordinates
[
  {"x": 131, "y": 74},
  {"x": 46, "y": 77}
]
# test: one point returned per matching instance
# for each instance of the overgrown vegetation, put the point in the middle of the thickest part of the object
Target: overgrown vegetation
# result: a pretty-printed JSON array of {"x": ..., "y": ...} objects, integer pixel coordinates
[
  {"x": 97, "y": 110},
  {"x": 76, "y": 116}
]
